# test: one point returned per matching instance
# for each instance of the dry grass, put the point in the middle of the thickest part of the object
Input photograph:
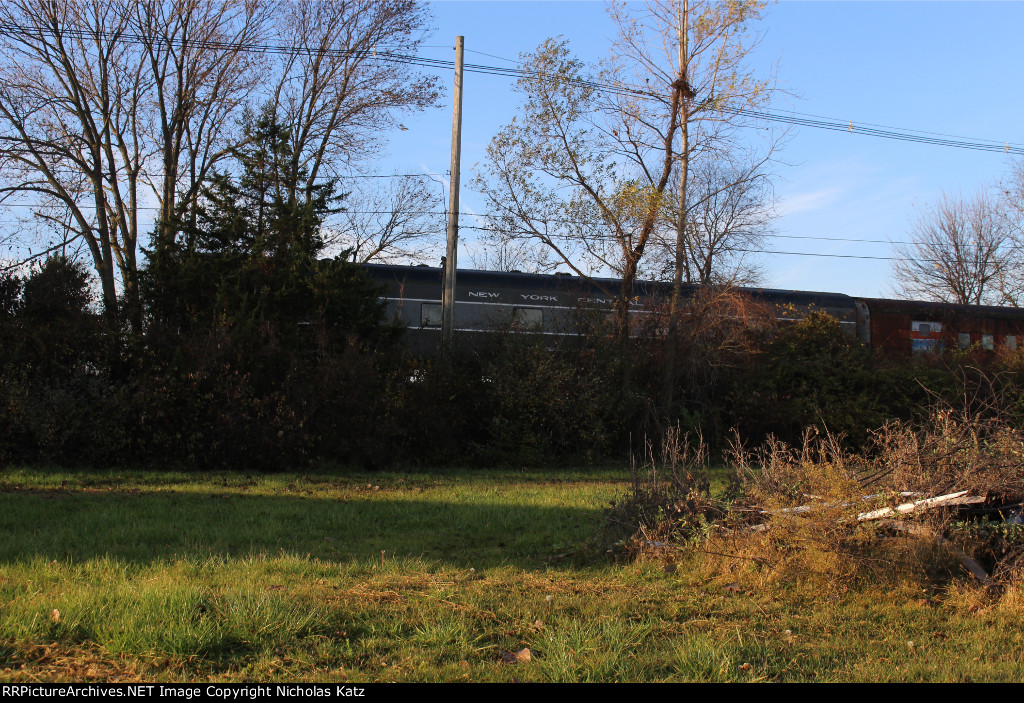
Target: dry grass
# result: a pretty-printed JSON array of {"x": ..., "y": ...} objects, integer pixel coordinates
[
  {"x": 800, "y": 513},
  {"x": 670, "y": 499}
]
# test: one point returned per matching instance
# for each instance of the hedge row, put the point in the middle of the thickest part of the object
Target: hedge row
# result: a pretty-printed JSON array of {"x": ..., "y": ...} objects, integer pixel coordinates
[{"x": 283, "y": 389}]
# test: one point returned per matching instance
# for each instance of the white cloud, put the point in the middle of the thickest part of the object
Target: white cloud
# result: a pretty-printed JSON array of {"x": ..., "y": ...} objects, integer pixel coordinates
[{"x": 803, "y": 202}]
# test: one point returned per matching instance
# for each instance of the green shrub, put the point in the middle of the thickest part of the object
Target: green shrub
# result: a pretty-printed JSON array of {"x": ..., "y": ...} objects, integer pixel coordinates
[
  {"x": 811, "y": 374},
  {"x": 546, "y": 402}
]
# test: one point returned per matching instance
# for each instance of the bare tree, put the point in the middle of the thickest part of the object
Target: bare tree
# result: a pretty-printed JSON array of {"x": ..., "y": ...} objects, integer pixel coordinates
[
  {"x": 729, "y": 215},
  {"x": 202, "y": 75},
  {"x": 495, "y": 250},
  {"x": 1011, "y": 205},
  {"x": 960, "y": 251},
  {"x": 401, "y": 222},
  {"x": 104, "y": 103},
  {"x": 337, "y": 88},
  {"x": 72, "y": 96}
]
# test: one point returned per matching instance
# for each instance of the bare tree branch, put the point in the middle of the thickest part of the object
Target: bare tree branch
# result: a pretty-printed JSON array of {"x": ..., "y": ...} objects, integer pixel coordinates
[
  {"x": 331, "y": 92},
  {"x": 106, "y": 106},
  {"x": 730, "y": 212},
  {"x": 960, "y": 252},
  {"x": 400, "y": 223}
]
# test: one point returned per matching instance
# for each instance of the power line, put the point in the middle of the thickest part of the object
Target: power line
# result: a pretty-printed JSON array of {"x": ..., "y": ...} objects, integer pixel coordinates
[
  {"x": 434, "y": 213},
  {"x": 731, "y": 249},
  {"x": 797, "y": 119},
  {"x": 825, "y": 256},
  {"x": 389, "y": 175},
  {"x": 373, "y": 54},
  {"x": 492, "y": 56}
]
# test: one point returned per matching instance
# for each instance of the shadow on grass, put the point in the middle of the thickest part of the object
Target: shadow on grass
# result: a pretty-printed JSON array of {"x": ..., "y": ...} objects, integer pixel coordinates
[{"x": 140, "y": 527}]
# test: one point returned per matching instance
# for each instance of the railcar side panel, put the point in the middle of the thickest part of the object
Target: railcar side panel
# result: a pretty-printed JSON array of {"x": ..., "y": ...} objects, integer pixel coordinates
[
  {"x": 557, "y": 304},
  {"x": 908, "y": 327}
]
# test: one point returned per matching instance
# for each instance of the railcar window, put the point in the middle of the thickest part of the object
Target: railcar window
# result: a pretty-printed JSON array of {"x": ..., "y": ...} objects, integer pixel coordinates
[
  {"x": 1011, "y": 342},
  {"x": 964, "y": 339},
  {"x": 924, "y": 337},
  {"x": 430, "y": 315},
  {"x": 988, "y": 341},
  {"x": 527, "y": 317}
]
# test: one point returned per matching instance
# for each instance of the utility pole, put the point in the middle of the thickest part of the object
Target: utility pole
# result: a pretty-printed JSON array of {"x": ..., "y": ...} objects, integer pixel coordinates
[
  {"x": 448, "y": 297},
  {"x": 683, "y": 33}
]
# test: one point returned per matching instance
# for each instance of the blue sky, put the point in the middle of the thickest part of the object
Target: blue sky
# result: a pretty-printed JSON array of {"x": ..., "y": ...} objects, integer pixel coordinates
[{"x": 946, "y": 67}]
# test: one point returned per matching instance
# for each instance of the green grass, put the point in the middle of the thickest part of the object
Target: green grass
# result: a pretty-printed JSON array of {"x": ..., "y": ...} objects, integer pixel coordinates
[{"x": 428, "y": 577}]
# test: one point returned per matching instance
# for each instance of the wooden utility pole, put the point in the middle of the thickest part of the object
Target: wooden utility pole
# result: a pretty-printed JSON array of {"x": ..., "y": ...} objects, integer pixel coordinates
[
  {"x": 683, "y": 29},
  {"x": 448, "y": 297}
]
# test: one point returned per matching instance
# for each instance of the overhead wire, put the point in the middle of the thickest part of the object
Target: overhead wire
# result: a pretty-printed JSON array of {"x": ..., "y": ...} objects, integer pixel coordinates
[
  {"x": 375, "y": 53},
  {"x": 438, "y": 213},
  {"x": 756, "y": 251}
]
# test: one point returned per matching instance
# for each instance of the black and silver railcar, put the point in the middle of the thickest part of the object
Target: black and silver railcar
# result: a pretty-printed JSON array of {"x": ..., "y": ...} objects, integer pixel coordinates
[{"x": 553, "y": 304}]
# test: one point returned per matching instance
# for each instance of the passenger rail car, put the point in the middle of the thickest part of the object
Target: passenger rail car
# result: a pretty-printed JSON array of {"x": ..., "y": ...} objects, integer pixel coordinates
[
  {"x": 551, "y": 305},
  {"x": 907, "y": 327}
]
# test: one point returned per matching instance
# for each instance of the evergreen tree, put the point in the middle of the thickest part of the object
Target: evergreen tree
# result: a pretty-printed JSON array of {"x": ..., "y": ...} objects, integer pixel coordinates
[{"x": 250, "y": 264}]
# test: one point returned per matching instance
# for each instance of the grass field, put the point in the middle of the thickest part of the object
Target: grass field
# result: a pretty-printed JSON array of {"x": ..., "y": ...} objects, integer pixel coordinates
[{"x": 430, "y": 577}]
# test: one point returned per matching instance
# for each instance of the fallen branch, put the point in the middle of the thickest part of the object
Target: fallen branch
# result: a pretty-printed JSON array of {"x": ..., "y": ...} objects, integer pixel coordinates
[
  {"x": 959, "y": 498},
  {"x": 812, "y": 508},
  {"x": 950, "y": 499}
]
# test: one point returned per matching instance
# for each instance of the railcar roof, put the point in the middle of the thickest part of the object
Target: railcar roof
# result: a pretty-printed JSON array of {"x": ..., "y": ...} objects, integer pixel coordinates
[
  {"x": 925, "y": 308},
  {"x": 514, "y": 279}
]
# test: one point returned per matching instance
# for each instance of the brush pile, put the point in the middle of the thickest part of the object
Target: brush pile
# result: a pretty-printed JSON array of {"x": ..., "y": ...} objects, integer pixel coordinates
[{"x": 940, "y": 498}]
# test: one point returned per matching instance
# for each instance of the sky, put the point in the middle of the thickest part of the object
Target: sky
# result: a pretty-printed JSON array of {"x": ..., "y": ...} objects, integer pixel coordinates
[{"x": 953, "y": 68}]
